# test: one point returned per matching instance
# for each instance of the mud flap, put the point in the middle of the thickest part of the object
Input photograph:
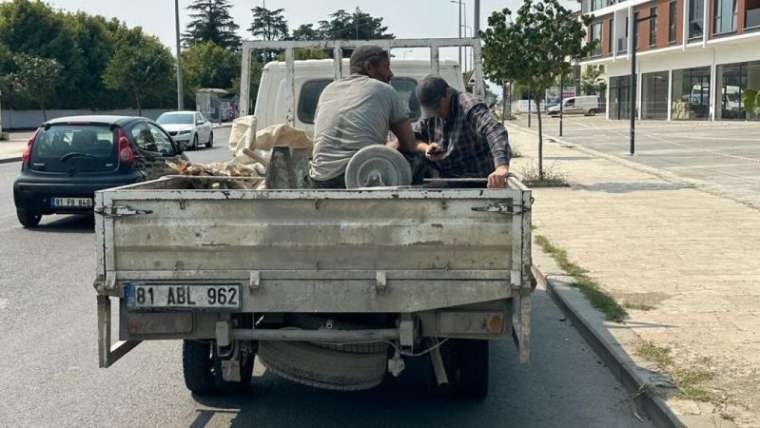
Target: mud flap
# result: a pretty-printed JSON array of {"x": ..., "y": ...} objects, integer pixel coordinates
[{"x": 109, "y": 353}]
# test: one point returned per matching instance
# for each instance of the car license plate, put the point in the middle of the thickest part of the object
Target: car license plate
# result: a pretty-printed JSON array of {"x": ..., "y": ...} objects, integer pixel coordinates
[
  {"x": 72, "y": 202},
  {"x": 151, "y": 296}
]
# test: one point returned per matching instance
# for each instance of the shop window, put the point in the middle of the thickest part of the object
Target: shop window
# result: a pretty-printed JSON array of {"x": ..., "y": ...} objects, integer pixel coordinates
[
  {"x": 691, "y": 94},
  {"x": 739, "y": 89}
]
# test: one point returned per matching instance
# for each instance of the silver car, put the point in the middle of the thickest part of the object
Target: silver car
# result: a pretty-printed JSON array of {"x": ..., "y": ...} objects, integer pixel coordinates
[{"x": 189, "y": 129}]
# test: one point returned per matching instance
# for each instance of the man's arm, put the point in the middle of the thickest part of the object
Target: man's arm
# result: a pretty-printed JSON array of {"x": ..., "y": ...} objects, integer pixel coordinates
[
  {"x": 403, "y": 132},
  {"x": 492, "y": 131}
]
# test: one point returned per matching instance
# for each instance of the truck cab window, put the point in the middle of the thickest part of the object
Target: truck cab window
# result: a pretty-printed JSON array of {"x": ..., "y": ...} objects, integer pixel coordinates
[{"x": 307, "y": 101}]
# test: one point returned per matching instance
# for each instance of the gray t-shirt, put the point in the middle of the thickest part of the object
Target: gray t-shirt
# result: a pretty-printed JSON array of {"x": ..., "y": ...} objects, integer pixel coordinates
[{"x": 352, "y": 113}]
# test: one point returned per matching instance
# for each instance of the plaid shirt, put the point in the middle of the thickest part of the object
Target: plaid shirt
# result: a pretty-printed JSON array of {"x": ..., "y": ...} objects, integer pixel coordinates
[{"x": 474, "y": 141}]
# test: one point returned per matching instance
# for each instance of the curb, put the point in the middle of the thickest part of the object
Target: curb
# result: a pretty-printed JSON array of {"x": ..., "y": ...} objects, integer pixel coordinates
[
  {"x": 703, "y": 186},
  {"x": 10, "y": 160},
  {"x": 612, "y": 356}
]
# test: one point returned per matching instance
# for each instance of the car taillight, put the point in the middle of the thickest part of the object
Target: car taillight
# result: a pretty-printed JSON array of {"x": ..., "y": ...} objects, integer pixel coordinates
[
  {"x": 28, "y": 150},
  {"x": 126, "y": 154}
]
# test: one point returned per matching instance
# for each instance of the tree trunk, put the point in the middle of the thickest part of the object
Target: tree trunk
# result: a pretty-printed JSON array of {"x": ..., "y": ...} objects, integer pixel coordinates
[
  {"x": 509, "y": 102},
  {"x": 504, "y": 114},
  {"x": 540, "y": 141},
  {"x": 530, "y": 106},
  {"x": 139, "y": 107}
]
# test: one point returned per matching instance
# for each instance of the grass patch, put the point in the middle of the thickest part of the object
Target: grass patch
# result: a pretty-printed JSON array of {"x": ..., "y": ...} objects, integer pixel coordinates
[
  {"x": 689, "y": 381},
  {"x": 551, "y": 178},
  {"x": 638, "y": 306},
  {"x": 655, "y": 354},
  {"x": 590, "y": 288}
]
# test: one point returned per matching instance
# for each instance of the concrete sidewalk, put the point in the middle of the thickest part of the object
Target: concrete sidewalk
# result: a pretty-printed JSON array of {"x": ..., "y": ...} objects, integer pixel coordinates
[
  {"x": 11, "y": 150},
  {"x": 684, "y": 263}
]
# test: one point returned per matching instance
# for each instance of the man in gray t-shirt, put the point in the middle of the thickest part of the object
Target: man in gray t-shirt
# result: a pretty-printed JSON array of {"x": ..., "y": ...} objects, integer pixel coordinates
[{"x": 356, "y": 112}]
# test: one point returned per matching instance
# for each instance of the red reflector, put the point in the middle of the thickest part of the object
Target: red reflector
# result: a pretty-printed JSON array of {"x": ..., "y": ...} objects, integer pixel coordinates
[{"x": 126, "y": 154}]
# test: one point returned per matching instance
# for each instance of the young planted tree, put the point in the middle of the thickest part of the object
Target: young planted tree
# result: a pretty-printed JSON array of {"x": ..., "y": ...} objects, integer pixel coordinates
[
  {"x": 212, "y": 22},
  {"x": 37, "y": 78},
  {"x": 534, "y": 48}
]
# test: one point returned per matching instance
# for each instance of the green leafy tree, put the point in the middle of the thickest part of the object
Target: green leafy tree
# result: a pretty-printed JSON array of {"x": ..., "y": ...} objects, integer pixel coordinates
[
  {"x": 592, "y": 82},
  {"x": 35, "y": 29},
  {"x": 140, "y": 66},
  {"x": 38, "y": 78},
  {"x": 269, "y": 25},
  {"x": 535, "y": 47},
  {"x": 212, "y": 22},
  {"x": 207, "y": 65},
  {"x": 305, "y": 32},
  {"x": 359, "y": 25}
]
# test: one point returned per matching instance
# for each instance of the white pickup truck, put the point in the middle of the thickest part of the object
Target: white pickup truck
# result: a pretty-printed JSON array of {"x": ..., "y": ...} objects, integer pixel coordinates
[{"x": 331, "y": 288}]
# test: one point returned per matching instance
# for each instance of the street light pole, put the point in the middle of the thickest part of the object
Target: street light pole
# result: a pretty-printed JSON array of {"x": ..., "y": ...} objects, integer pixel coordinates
[
  {"x": 561, "y": 101},
  {"x": 180, "y": 100},
  {"x": 633, "y": 91},
  {"x": 459, "y": 6}
]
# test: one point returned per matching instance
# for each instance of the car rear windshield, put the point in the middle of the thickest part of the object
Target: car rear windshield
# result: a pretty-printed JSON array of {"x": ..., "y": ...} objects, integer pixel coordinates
[
  {"x": 176, "y": 119},
  {"x": 75, "y": 149}
]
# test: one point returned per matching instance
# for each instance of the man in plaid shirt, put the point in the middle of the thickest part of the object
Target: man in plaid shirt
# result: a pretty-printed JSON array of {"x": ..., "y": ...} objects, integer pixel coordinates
[{"x": 459, "y": 135}]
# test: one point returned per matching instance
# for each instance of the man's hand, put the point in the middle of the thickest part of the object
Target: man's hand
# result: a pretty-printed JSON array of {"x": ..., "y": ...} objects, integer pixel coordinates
[
  {"x": 498, "y": 178},
  {"x": 434, "y": 152}
]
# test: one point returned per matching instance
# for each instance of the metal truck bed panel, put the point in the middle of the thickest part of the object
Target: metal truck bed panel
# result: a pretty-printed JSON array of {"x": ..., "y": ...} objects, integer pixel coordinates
[{"x": 307, "y": 249}]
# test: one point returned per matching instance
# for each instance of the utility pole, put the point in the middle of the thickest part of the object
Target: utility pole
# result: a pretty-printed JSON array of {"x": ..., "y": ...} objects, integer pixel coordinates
[
  {"x": 459, "y": 7},
  {"x": 561, "y": 100},
  {"x": 180, "y": 100},
  {"x": 633, "y": 91}
]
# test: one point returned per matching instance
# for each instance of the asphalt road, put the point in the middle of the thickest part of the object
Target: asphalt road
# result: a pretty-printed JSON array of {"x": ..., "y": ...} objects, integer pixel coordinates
[{"x": 49, "y": 374}]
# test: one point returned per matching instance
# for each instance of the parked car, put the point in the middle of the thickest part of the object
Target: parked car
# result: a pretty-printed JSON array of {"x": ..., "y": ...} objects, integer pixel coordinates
[
  {"x": 188, "y": 128},
  {"x": 587, "y": 104},
  {"x": 70, "y": 158}
]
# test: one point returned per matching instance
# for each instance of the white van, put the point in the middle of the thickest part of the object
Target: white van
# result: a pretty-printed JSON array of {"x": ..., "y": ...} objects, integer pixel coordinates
[
  {"x": 312, "y": 76},
  {"x": 587, "y": 104}
]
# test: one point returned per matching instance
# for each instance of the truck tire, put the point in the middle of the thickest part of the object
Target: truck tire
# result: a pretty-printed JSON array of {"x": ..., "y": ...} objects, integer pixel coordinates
[
  {"x": 473, "y": 361},
  {"x": 198, "y": 366},
  {"x": 466, "y": 363},
  {"x": 28, "y": 219}
]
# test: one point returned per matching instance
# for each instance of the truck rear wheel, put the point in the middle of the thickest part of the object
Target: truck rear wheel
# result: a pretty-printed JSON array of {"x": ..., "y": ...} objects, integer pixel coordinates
[
  {"x": 466, "y": 363},
  {"x": 198, "y": 366},
  {"x": 202, "y": 369},
  {"x": 473, "y": 359},
  {"x": 29, "y": 219}
]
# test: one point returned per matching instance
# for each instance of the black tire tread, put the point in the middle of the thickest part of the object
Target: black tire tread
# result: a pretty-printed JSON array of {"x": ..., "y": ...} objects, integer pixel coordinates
[
  {"x": 197, "y": 367},
  {"x": 28, "y": 219}
]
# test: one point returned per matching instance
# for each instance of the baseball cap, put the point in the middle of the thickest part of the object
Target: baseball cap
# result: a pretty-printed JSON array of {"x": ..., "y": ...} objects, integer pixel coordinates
[{"x": 430, "y": 90}]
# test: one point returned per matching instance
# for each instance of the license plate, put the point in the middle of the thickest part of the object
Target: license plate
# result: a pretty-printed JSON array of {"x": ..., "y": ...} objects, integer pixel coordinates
[
  {"x": 147, "y": 296},
  {"x": 72, "y": 202}
]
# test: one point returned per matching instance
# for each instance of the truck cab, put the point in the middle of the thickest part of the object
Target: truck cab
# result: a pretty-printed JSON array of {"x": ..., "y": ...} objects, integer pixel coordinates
[{"x": 312, "y": 76}]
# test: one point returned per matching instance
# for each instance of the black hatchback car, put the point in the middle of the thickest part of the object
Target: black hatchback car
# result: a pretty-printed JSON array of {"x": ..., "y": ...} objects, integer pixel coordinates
[{"x": 67, "y": 160}]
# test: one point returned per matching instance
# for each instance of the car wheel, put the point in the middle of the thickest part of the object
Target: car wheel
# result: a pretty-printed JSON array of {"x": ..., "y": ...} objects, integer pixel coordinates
[
  {"x": 28, "y": 219},
  {"x": 592, "y": 112},
  {"x": 210, "y": 143}
]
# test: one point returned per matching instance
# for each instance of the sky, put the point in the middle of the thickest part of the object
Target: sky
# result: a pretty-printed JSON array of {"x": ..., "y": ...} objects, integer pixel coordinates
[{"x": 404, "y": 18}]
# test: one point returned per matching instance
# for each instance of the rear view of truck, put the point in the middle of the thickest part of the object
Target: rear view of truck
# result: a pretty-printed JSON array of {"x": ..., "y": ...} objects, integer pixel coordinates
[
  {"x": 336, "y": 289},
  {"x": 329, "y": 288}
]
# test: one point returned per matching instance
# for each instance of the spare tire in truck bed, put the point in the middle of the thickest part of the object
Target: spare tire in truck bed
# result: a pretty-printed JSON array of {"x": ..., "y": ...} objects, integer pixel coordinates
[{"x": 323, "y": 368}]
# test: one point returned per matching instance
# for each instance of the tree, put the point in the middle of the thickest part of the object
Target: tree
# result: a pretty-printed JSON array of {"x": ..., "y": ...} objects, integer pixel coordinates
[
  {"x": 534, "y": 48},
  {"x": 591, "y": 81},
  {"x": 305, "y": 32},
  {"x": 359, "y": 25},
  {"x": 140, "y": 66},
  {"x": 212, "y": 22},
  {"x": 38, "y": 78},
  {"x": 269, "y": 25},
  {"x": 207, "y": 65}
]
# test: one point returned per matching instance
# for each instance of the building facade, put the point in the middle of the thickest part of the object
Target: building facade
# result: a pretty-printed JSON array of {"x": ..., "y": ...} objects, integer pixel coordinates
[{"x": 696, "y": 60}]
